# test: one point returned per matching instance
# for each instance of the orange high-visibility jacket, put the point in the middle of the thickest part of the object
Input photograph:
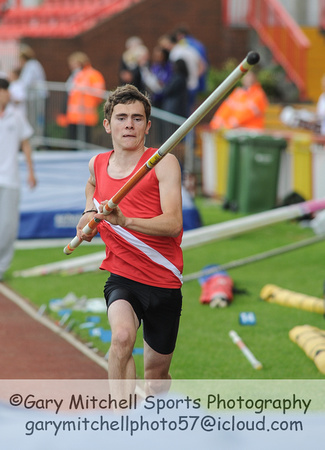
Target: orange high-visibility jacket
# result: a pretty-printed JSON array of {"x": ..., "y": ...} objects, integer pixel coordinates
[
  {"x": 83, "y": 101},
  {"x": 243, "y": 108}
]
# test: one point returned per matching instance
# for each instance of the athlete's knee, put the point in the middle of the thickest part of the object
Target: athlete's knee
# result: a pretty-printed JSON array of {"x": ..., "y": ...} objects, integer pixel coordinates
[{"x": 122, "y": 342}]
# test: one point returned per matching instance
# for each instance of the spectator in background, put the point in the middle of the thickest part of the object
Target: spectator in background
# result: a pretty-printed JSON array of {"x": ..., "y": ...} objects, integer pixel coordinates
[
  {"x": 75, "y": 62},
  {"x": 156, "y": 74},
  {"x": 85, "y": 95},
  {"x": 32, "y": 71},
  {"x": 174, "y": 99},
  {"x": 168, "y": 86},
  {"x": 174, "y": 94},
  {"x": 15, "y": 132},
  {"x": 161, "y": 67},
  {"x": 191, "y": 57},
  {"x": 33, "y": 78},
  {"x": 183, "y": 35},
  {"x": 245, "y": 107},
  {"x": 156, "y": 77},
  {"x": 17, "y": 90},
  {"x": 129, "y": 72}
]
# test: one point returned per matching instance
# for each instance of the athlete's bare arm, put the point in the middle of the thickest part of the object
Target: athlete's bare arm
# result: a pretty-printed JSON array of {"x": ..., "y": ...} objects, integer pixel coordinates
[{"x": 89, "y": 192}]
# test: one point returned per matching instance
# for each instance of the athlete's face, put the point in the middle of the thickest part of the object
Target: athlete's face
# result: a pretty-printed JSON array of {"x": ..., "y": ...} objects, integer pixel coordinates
[{"x": 128, "y": 126}]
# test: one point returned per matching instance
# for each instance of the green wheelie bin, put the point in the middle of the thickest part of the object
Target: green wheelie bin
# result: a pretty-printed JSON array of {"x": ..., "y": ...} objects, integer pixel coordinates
[
  {"x": 232, "y": 186},
  {"x": 254, "y": 171}
]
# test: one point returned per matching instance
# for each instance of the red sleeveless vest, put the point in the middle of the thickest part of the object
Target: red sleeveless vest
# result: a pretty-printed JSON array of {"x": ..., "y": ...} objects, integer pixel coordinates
[{"x": 152, "y": 260}]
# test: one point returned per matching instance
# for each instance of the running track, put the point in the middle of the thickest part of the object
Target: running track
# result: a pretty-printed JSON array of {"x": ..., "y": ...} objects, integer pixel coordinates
[{"x": 33, "y": 347}]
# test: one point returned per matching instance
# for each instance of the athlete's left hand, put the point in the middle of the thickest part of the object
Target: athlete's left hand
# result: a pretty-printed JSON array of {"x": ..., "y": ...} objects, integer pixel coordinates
[{"x": 115, "y": 217}]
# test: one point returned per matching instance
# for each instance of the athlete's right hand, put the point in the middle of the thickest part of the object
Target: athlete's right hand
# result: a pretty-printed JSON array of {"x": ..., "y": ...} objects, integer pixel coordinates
[{"x": 84, "y": 220}]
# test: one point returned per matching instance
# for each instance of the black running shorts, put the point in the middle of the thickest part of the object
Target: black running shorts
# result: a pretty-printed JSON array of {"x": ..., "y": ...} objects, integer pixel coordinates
[{"x": 158, "y": 309}]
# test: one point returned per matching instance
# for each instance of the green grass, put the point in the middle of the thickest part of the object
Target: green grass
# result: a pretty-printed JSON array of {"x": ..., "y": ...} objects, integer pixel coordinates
[{"x": 204, "y": 349}]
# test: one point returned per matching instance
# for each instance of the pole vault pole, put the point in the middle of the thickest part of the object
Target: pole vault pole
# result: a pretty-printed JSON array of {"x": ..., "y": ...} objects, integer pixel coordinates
[
  {"x": 254, "y": 258},
  {"x": 251, "y": 59},
  {"x": 210, "y": 233}
]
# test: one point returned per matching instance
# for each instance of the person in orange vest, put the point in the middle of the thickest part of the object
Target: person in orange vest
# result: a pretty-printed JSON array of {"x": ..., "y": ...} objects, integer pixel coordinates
[
  {"x": 244, "y": 108},
  {"x": 75, "y": 63},
  {"x": 86, "y": 93}
]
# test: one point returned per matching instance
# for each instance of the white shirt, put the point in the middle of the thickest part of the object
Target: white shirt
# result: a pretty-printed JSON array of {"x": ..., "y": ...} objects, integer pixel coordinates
[
  {"x": 32, "y": 75},
  {"x": 14, "y": 128},
  {"x": 192, "y": 60},
  {"x": 18, "y": 95}
]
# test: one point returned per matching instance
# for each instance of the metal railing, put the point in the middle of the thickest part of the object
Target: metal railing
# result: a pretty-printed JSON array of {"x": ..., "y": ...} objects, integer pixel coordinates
[{"x": 47, "y": 101}]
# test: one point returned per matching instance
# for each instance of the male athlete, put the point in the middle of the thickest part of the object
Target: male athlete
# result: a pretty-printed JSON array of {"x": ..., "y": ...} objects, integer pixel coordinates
[{"x": 142, "y": 236}]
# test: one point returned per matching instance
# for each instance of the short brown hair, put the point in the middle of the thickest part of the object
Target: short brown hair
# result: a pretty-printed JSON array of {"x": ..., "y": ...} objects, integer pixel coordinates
[
  {"x": 124, "y": 95},
  {"x": 26, "y": 52},
  {"x": 79, "y": 57}
]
